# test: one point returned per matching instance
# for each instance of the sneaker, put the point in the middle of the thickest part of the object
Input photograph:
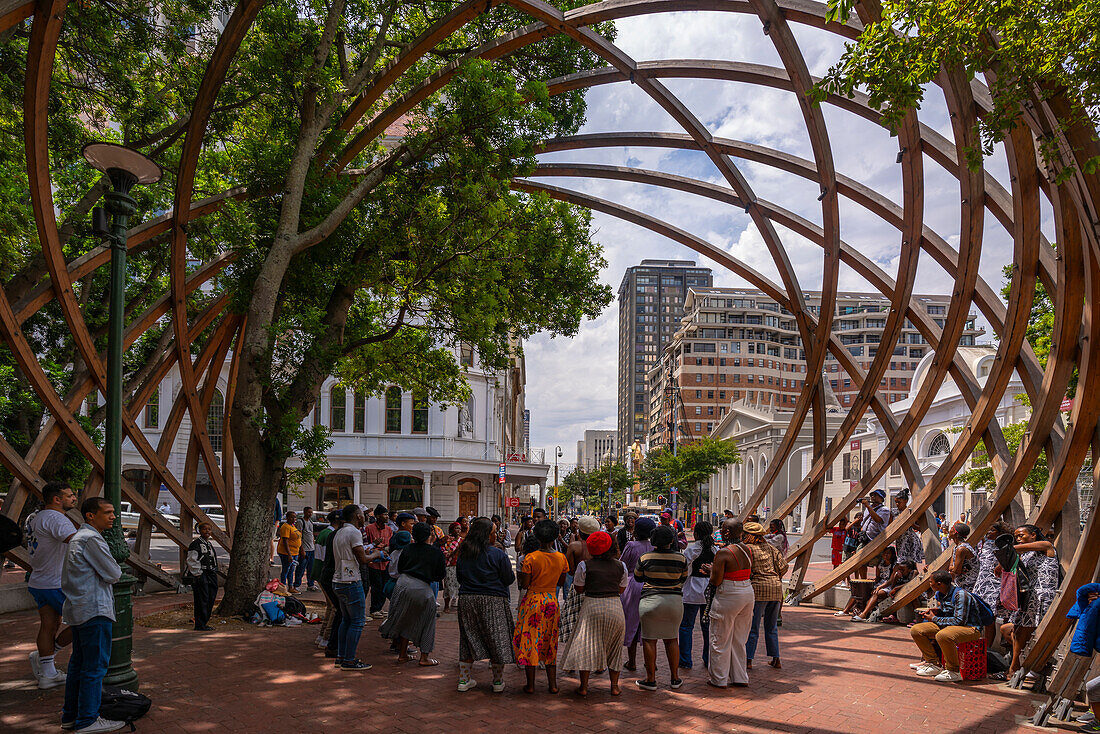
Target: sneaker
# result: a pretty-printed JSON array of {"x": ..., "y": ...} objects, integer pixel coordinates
[
  {"x": 469, "y": 683},
  {"x": 36, "y": 666},
  {"x": 356, "y": 664},
  {"x": 47, "y": 683},
  {"x": 839, "y": 614},
  {"x": 917, "y": 665},
  {"x": 646, "y": 685},
  {"x": 498, "y": 686},
  {"x": 929, "y": 670},
  {"x": 1094, "y": 726},
  {"x": 676, "y": 683},
  {"x": 949, "y": 676},
  {"x": 312, "y": 587},
  {"x": 338, "y": 662},
  {"x": 1087, "y": 718},
  {"x": 68, "y": 725},
  {"x": 101, "y": 724},
  {"x": 378, "y": 615}
]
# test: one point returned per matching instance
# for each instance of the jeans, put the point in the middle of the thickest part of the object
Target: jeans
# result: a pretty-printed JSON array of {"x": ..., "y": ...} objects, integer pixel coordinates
[
  {"x": 353, "y": 612},
  {"x": 87, "y": 667},
  {"x": 769, "y": 612},
  {"x": 305, "y": 568},
  {"x": 687, "y": 630},
  {"x": 377, "y": 581},
  {"x": 290, "y": 563}
]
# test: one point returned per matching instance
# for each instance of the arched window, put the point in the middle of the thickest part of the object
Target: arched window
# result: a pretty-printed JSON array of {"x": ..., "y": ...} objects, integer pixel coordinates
[
  {"x": 337, "y": 411},
  {"x": 420, "y": 413},
  {"x": 214, "y": 421},
  {"x": 405, "y": 493},
  {"x": 939, "y": 446},
  {"x": 393, "y": 411}
]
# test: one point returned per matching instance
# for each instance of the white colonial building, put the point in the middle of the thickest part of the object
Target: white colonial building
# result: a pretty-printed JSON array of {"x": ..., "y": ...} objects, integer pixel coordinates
[{"x": 395, "y": 449}]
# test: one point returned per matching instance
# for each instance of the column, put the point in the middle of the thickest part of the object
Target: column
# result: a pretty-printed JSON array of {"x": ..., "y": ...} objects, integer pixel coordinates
[
  {"x": 427, "y": 488},
  {"x": 542, "y": 493},
  {"x": 356, "y": 478}
]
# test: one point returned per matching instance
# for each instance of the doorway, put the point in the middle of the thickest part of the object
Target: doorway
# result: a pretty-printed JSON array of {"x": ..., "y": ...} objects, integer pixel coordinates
[{"x": 469, "y": 491}]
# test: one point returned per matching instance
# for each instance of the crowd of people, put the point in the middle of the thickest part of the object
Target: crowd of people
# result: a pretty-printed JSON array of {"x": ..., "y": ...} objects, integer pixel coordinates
[{"x": 588, "y": 592}]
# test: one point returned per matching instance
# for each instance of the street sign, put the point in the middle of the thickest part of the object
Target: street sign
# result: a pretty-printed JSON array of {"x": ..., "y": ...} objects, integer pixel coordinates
[
  {"x": 1067, "y": 404},
  {"x": 503, "y": 473},
  {"x": 855, "y": 445},
  {"x": 512, "y": 502}
]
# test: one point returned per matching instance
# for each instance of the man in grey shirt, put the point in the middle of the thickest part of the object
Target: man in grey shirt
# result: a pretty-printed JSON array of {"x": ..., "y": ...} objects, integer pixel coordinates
[
  {"x": 307, "y": 551},
  {"x": 86, "y": 578},
  {"x": 875, "y": 518}
]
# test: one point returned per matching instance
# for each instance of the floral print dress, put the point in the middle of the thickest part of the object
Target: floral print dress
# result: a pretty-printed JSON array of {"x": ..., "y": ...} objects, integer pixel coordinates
[
  {"x": 986, "y": 583},
  {"x": 536, "y": 637},
  {"x": 968, "y": 577},
  {"x": 1043, "y": 571}
]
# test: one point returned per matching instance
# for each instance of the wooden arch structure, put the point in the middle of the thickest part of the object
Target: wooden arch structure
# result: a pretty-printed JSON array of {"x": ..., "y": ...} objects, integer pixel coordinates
[{"x": 1072, "y": 275}]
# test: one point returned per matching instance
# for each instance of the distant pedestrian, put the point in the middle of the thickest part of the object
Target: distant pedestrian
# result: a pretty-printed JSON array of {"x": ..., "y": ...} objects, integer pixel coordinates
[
  {"x": 378, "y": 535},
  {"x": 502, "y": 536},
  {"x": 450, "y": 548},
  {"x": 48, "y": 532},
  {"x": 87, "y": 577},
  {"x": 625, "y": 534},
  {"x": 839, "y": 532},
  {"x": 323, "y": 568},
  {"x": 306, "y": 552},
  {"x": 777, "y": 536},
  {"x": 202, "y": 574},
  {"x": 290, "y": 542}
]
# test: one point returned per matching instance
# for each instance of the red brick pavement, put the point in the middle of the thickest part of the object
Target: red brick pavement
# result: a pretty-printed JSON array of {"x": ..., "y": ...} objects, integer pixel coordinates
[{"x": 837, "y": 677}]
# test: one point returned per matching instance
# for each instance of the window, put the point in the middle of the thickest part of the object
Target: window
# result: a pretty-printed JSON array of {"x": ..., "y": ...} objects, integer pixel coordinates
[
  {"x": 405, "y": 492},
  {"x": 939, "y": 446},
  {"x": 152, "y": 410},
  {"x": 420, "y": 413},
  {"x": 698, "y": 377},
  {"x": 466, "y": 354},
  {"x": 337, "y": 410},
  {"x": 359, "y": 420},
  {"x": 334, "y": 491},
  {"x": 846, "y": 471},
  {"x": 895, "y": 469},
  {"x": 214, "y": 421},
  {"x": 866, "y": 461},
  {"x": 829, "y": 473},
  {"x": 393, "y": 411}
]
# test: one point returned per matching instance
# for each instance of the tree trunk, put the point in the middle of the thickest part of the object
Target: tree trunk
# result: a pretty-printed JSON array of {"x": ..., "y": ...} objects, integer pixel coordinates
[{"x": 250, "y": 561}]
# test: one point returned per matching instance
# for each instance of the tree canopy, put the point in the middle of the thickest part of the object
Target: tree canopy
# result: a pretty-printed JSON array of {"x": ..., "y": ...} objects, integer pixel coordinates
[{"x": 687, "y": 469}]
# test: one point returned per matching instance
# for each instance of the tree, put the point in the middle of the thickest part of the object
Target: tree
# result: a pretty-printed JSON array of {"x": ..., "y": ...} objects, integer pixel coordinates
[
  {"x": 1035, "y": 49},
  {"x": 980, "y": 478},
  {"x": 687, "y": 469},
  {"x": 377, "y": 276},
  {"x": 591, "y": 486}
]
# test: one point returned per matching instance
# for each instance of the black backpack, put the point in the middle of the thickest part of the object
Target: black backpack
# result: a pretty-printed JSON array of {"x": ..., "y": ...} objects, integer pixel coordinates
[
  {"x": 293, "y": 607},
  {"x": 119, "y": 704}
]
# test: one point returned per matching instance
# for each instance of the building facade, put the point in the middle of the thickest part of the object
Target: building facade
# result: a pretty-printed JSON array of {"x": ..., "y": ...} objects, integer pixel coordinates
[
  {"x": 596, "y": 447},
  {"x": 395, "y": 449},
  {"x": 739, "y": 345},
  {"x": 651, "y": 302}
]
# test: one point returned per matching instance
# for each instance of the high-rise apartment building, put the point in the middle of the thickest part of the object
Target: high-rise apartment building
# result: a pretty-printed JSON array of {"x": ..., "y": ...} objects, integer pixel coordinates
[
  {"x": 651, "y": 303},
  {"x": 739, "y": 345}
]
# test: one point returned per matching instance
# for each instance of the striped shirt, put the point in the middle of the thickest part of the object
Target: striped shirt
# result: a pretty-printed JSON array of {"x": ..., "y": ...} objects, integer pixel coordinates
[{"x": 662, "y": 572}]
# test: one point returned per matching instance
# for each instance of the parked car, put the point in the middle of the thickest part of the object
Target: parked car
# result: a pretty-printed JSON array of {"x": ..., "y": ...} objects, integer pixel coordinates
[
  {"x": 215, "y": 513},
  {"x": 130, "y": 518}
]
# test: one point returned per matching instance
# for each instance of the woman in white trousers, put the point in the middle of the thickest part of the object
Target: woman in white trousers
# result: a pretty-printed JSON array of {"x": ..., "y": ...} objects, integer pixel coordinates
[{"x": 730, "y": 610}]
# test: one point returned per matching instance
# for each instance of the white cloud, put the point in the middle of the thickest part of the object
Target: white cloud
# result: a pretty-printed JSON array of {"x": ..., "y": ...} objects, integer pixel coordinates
[{"x": 571, "y": 384}]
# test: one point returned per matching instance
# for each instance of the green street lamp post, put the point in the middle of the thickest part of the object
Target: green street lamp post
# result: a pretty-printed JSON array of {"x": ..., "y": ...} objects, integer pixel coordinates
[{"x": 125, "y": 168}]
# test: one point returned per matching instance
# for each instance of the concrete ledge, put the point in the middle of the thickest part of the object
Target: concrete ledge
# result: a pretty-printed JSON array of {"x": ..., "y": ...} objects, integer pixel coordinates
[{"x": 15, "y": 598}]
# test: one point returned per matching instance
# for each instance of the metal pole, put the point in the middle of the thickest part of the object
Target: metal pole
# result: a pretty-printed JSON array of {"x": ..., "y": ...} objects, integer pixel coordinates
[{"x": 120, "y": 206}]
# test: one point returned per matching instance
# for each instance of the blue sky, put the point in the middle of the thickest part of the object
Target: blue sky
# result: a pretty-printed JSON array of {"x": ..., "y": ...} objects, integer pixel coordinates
[{"x": 571, "y": 383}]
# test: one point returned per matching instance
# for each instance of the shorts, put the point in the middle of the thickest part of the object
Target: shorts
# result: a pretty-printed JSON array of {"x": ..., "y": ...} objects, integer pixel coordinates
[{"x": 49, "y": 597}]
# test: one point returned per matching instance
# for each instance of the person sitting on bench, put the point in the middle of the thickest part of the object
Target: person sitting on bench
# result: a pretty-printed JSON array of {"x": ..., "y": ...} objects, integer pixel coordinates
[{"x": 957, "y": 621}]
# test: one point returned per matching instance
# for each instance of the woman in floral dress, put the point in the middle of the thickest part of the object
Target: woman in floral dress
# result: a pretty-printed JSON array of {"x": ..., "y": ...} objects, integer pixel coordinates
[
  {"x": 536, "y": 637},
  {"x": 1040, "y": 562}
]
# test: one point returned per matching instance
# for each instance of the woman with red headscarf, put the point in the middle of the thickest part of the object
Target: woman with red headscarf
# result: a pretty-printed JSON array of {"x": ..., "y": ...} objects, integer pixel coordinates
[{"x": 597, "y": 639}]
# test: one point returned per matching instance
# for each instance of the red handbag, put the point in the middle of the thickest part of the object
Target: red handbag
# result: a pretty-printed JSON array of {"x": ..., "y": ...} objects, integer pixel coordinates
[{"x": 1009, "y": 598}]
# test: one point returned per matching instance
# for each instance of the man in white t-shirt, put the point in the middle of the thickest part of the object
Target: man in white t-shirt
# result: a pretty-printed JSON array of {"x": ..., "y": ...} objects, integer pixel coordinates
[
  {"x": 48, "y": 534},
  {"x": 348, "y": 554}
]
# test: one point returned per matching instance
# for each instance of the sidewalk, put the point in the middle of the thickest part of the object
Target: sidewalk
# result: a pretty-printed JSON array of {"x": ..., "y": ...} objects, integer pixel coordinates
[{"x": 837, "y": 677}]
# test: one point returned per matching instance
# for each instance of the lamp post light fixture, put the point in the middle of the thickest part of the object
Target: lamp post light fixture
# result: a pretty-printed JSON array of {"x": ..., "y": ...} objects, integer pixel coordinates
[{"x": 125, "y": 168}]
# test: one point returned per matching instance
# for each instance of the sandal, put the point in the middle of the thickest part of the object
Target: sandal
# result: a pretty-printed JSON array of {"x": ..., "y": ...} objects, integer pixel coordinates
[{"x": 428, "y": 663}]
